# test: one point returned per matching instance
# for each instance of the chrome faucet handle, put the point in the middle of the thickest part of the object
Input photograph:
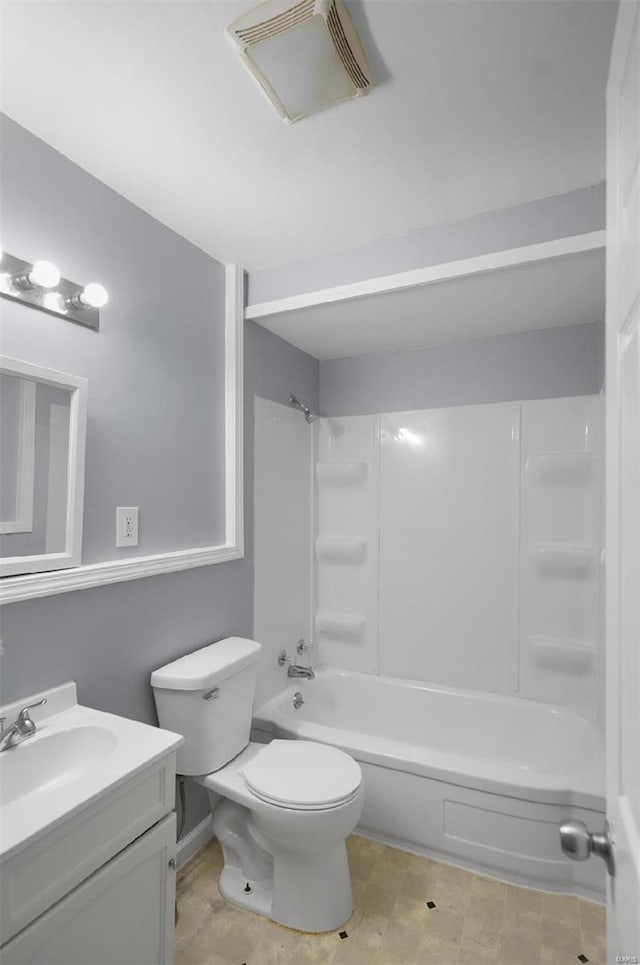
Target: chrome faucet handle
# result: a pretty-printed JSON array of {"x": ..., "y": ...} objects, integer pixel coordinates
[
  {"x": 303, "y": 647},
  {"x": 25, "y": 710},
  {"x": 284, "y": 659},
  {"x": 24, "y": 723}
]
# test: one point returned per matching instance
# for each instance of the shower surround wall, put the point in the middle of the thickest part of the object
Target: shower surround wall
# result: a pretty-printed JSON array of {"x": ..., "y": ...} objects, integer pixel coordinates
[
  {"x": 457, "y": 584},
  {"x": 461, "y": 547},
  {"x": 282, "y": 589},
  {"x": 346, "y": 543}
]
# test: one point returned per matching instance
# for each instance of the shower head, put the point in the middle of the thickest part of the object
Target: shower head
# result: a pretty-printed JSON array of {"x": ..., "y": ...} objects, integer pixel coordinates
[{"x": 295, "y": 403}]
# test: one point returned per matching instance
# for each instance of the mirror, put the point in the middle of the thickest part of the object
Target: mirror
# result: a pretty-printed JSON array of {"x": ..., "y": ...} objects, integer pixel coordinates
[{"x": 42, "y": 444}]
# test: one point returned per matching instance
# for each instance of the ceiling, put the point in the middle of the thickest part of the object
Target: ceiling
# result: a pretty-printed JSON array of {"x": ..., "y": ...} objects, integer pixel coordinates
[
  {"x": 567, "y": 290},
  {"x": 480, "y": 104}
]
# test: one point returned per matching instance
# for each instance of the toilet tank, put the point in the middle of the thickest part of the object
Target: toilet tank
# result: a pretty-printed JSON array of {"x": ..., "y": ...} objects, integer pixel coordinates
[{"x": 207, "y": 696}]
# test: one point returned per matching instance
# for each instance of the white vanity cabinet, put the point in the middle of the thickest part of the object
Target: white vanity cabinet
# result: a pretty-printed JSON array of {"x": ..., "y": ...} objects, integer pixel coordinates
[
  {"x": 87, "y": 837},
  {"x": 122, "y": 914}
]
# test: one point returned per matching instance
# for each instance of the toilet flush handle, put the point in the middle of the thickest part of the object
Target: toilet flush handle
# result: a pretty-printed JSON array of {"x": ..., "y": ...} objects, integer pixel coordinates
[{"x": 211, "y": 694}]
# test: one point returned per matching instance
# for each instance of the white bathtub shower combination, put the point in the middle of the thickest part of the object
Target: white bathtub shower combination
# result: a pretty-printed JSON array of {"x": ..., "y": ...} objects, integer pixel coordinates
[
  {"x": 466, "y": 777},
  {"x": 454, "y": 604}
]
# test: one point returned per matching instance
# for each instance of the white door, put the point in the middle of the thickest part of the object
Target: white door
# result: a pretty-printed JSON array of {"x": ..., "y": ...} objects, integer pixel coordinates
[{"x": 623, "y": 484}]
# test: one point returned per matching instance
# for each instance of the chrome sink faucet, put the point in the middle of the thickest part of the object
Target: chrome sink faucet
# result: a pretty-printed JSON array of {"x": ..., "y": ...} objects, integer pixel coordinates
[
  {"x": 22, "y": 727},
  {"x": 296, "y": 670}
]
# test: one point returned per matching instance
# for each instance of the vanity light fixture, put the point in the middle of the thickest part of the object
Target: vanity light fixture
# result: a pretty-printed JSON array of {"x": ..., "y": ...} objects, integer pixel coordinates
[{"x": 41, "y": 286}]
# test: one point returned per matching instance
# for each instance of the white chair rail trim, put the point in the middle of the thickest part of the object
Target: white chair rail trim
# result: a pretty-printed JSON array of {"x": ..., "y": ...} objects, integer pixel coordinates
[{"x": 17, "y": 588}]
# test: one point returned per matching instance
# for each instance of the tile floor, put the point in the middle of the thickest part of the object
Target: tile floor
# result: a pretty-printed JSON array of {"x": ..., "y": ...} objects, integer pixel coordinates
[{"x": 473, "y": 919}]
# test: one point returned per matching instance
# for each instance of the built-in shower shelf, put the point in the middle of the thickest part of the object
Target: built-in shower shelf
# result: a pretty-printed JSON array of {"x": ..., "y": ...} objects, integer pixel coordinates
[
  {"x": 562, "y": 560},
  {"x": 334, "y": 549},
  {"x": 342, "y": 473},
  {"x": 341, "y": 626},
  {"x": 563, "y": 468},
  {"x": 562, "y": 655}
]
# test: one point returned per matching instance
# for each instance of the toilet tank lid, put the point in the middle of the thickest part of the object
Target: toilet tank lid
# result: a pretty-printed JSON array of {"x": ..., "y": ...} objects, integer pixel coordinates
[{"x": 207, "y": 666}]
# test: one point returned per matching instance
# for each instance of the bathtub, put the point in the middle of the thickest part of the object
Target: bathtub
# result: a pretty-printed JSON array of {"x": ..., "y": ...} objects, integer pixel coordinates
[{"x": 481, "y": 781}]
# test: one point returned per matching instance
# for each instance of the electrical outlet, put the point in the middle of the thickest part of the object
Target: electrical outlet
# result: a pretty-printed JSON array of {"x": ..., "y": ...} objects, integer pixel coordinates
[{"x": 127, "y": 526}]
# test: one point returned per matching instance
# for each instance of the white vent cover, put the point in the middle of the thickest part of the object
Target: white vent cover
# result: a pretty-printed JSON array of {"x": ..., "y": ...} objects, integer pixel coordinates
[{"x": 306, "y": 56}]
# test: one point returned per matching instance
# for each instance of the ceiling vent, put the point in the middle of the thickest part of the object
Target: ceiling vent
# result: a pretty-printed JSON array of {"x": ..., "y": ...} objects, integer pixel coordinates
[{"x": 305, "y": 56}]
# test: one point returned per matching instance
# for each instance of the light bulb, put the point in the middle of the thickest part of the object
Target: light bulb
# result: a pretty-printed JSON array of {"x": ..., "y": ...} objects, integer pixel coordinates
[
  {"x": 93, "y": 295},
  {"x": 44, "y": 275},
  {"x": 55, "y": 303}
]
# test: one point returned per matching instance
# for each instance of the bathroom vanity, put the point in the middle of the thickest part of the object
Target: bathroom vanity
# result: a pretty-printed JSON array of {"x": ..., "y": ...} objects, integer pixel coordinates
[{"x": 87, "y": 838}]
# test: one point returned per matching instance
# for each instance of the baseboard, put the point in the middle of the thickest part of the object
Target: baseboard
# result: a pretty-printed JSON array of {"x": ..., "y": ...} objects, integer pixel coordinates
[{"x": 194, "y": 841}]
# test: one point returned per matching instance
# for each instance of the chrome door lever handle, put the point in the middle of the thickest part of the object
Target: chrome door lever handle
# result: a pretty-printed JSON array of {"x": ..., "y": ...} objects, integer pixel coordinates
[{"x": 578, "y": 843}]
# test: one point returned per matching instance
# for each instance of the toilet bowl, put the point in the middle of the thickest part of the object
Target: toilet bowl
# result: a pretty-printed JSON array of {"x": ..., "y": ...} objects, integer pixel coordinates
[
  {"x": 281, "y": 811},
  {"x": 286, "y": 858}
]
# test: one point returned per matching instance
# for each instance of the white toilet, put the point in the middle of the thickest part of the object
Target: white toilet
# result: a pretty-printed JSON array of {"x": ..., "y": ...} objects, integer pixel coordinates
[{"x": 285, "y": 808}]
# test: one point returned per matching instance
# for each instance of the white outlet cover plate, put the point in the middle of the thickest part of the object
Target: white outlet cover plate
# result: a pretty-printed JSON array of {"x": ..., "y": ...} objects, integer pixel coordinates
[{"x": 126, "y": 526}]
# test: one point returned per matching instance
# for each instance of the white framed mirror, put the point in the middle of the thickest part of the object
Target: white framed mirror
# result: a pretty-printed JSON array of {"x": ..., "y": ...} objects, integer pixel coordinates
[
  {"x": 18, "y": 443},
  {"x": 43, "y": 424}
]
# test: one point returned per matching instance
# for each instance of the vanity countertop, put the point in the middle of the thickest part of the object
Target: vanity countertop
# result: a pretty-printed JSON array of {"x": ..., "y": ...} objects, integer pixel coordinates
[{"x": 76, "y": 755}]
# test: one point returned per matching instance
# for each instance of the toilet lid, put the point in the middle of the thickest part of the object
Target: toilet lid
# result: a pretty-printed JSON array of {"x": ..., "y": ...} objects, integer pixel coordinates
[{"x": 302, "y": 775}]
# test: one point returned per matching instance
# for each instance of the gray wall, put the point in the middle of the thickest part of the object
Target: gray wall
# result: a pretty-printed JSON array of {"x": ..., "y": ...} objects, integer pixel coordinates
[
  {"x": 548, "y": 363},
  {"x": 274, "y": 369},
  {"x": 561, "y": 216},
  {"x": 109, "y": 639},
  {"x": 155, "y": 369}
]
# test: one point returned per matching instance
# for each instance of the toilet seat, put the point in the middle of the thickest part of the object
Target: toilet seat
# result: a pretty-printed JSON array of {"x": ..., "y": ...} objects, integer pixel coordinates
[{"x": 302, "y": 775}]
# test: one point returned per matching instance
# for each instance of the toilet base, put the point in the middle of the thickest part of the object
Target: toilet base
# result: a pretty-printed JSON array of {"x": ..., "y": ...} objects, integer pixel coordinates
[
  {"x": 232, "y": 885},
  {"x": 259, "y": 901},
  {"x": 305, "y": 889}
]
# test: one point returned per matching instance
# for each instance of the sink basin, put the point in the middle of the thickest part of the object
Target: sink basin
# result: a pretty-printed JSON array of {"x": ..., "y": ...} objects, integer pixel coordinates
[{"x": 46, "y": 762}]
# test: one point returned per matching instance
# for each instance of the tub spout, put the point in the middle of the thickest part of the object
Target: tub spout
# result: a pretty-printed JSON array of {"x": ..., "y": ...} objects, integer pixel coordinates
[{"x": 295, "y": 670}]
